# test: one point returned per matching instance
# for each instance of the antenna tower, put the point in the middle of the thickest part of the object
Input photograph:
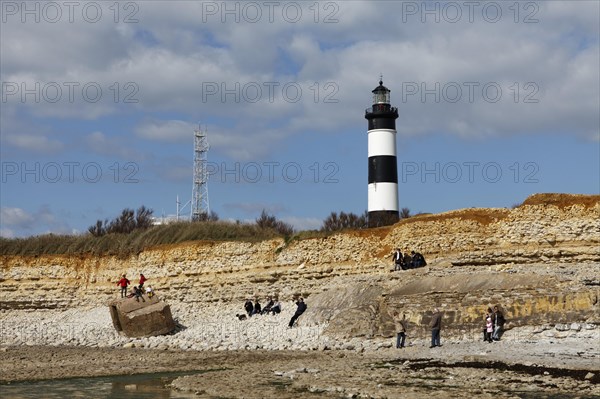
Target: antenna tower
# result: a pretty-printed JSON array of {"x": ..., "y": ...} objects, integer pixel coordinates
[{"x": 200, "y": 207}]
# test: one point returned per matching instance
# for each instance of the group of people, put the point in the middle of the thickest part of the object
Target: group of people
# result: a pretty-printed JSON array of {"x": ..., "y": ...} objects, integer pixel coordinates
[
  {"x": 494, "y": 325},
  {"x": 407, "y": 261},
  {"x": 273, "y": 306},
  {"x": 137, "y": 291}
]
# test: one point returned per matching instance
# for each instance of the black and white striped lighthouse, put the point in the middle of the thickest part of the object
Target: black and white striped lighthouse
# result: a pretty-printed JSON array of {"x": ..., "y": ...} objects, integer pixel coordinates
[{"x": 383, "y": 169}]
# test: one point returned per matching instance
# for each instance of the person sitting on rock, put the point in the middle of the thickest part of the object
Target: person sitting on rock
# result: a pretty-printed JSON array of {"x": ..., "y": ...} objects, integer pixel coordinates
[
  {"x": 149, "y": 292},
  {"x": 418, "y": 259},
  {"x": 268, "y": 306},
  {"x": 257, "y": 307},
  {"x": 137, "y": 292},
  {"x": 249, "y": 307},
  {"x": 123, "y": 283},
  {"x": 299, "y": 310},
  {"x": 406, "y": 261},
  {"x": 276, "y": 309}
]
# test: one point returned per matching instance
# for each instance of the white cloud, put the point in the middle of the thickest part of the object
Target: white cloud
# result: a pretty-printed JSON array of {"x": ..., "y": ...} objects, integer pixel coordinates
[
  {"x": 169, "y": 130},
  {"x": 99, "y": 143},
  {"x": 16, "y": 217},
  {"x": 17, "y": 222},
  {"x": 171, "y": 58},
  {"x": 34, "y": 143},
  {"x": 303, "y": 223}
]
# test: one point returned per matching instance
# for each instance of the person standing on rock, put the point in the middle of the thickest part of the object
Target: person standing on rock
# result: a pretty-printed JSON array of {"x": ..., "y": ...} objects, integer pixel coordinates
[
  {"x": 498, "y": 323},
  {"x": 299, "y": 310},
  {"x": 436, "y": 326},
  {"x": 142, "y": 281},
  {"x": 397, "y": 259},
  {"x": 400, "y": 330},
  {"x": 123, "y": 283},
  {"x": 489, "y": 326}
]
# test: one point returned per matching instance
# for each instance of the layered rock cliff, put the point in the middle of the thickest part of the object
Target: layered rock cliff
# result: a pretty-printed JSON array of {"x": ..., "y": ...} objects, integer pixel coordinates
[{"x": 540, "y": 261}]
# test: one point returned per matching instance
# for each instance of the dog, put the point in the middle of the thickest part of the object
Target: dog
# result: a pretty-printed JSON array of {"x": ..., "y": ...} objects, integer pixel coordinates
[{"x": 241, "y": 316}]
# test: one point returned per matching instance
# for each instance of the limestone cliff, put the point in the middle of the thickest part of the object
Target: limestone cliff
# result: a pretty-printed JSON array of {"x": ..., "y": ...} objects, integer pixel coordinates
[{"x": 475, "y": 256}]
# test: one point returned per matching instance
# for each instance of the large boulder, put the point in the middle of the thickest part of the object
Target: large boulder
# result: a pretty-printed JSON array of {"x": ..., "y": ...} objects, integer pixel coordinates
[{"x": 146, "y": 318}]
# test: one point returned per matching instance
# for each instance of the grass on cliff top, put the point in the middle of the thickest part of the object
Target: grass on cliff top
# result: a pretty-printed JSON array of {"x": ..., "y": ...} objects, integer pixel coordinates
[
  {"x": 562, "y": 200},
  {"x": 123, "y": 245}
]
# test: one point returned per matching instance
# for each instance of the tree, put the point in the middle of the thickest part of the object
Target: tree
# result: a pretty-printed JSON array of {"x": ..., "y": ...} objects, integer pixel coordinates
[
  {"x": 98, "y": 229},
  {"x": 266, "y": 221},
  {"x": 143, "y": 218},
  {"x": 333, "y": 222},
  {"x": 125, "y": 223}
]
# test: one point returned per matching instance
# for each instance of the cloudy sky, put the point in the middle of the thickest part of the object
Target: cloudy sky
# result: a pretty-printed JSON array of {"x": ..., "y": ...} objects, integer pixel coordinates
[{"x": 497, "y": 101}]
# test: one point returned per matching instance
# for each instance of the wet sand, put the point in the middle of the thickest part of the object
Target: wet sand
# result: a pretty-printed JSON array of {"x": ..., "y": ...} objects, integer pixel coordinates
[{"x": 454, "y": 370}]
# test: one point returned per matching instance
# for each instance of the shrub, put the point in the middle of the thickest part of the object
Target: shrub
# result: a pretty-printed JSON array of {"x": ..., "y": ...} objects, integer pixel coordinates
[
  {"x": 266, "y": 221},
  {"x": 333, "y": 222}
]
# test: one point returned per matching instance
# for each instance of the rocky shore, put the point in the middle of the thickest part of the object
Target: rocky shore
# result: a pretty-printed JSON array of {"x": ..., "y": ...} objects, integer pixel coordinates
[
  {"x": 540, "y": 262},
  {"x": 261, "y": 357}
]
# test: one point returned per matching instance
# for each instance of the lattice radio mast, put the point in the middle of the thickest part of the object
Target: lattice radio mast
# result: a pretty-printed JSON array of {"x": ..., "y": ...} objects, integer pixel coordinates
[{"x": 200, "y": 207}]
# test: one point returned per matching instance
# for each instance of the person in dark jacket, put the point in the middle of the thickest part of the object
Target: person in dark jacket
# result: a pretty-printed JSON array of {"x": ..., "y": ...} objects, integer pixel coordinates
[
  {"x": 498, "y": 323},
  {"x": 257, "y": 307},
  {"x": 249, "y": 307},
  {"x": 418, "y": 260},
  {"x": 268, "y": 306},
  {"x": 397, "y": 257},
  {"x": 276, "y": 309},
  {"x": 406, "y": 261},
  {"x": 299, "y": 310},
  {"x": 137, "y": 292},
  {"x": 436, "y": 326}
]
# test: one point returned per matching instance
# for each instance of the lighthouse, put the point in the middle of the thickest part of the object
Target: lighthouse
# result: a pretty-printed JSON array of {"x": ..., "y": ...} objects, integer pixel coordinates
[{"x": 383, "y": 169}]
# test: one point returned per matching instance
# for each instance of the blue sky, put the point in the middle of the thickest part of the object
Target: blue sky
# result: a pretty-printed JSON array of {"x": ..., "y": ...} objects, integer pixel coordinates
[{"x": 497, "y": 101}]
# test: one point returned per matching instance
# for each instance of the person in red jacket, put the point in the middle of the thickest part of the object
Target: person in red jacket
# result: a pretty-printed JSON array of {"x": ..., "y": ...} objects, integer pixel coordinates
[
  {"x": 142, "y": 280},
  {"x": 123, "y": 283}
]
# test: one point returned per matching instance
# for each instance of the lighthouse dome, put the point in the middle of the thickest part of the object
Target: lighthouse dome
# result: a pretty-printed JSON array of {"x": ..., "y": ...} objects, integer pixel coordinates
[{"x": 381, "y": 94}]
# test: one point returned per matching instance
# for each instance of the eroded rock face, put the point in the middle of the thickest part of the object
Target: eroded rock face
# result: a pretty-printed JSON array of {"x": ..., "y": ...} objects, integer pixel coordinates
[
  {"x": 539, "y": 261},
  {"x": 365, "y": 309},
  {"x": 141, "y": 319}
]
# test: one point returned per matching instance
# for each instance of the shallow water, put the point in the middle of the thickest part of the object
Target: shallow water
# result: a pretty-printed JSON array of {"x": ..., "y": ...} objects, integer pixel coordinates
[{"x": 142, "y": 386}]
